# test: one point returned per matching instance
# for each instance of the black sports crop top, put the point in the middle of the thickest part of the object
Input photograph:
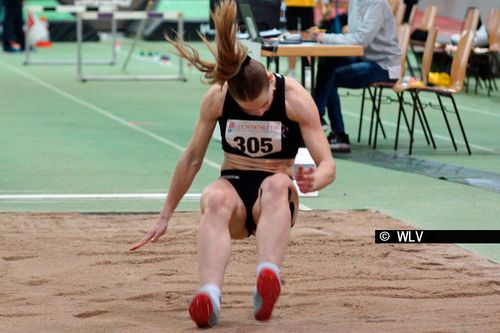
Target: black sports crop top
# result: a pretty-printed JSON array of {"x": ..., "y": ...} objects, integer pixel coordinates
[{"x": 270, "y": 136}]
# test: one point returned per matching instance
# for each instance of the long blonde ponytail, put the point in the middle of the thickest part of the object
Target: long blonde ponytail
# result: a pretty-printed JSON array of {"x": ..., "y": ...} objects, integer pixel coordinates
[{"x": 246, "y": 78}]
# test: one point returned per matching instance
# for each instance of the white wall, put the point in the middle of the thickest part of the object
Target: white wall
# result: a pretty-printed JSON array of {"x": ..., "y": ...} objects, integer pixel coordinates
[{"x": 456, "y": 8}]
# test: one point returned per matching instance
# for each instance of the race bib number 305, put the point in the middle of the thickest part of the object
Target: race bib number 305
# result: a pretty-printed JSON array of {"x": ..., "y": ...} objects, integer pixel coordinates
[{"x": 254, "y": 138}]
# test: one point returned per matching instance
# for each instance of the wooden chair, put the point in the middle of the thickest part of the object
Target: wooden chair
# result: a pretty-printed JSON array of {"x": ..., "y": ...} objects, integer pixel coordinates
[
  {"x": 375, "y": 89},
  {"x": 494, "y": 31},
  {"x": 492, "y": 24},
  {"x": 426, "y": 69},
  {"x": 471, "y": 20},
  {"x": 398, "y": 9},
  {"x": 411, "y": 18},
  {"x": 458, "y": 71},
  {"x": 427, "y": 22},
  {"x": 429, "y": 18},
  {"x": 394, "y": 4},
  {"x": 428, "y": 54},
  {"x": 400, "y": 14},
  {"x": 487, "y": 56}
]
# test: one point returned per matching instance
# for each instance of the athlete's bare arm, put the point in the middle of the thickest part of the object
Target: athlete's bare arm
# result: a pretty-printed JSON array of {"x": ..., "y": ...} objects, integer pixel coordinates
[
  {"x": 189, "y": 163},
  {"x": 301, "y": 108}
]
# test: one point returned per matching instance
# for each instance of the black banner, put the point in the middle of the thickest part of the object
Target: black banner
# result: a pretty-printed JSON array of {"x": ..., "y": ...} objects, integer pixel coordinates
[{"x": 437, "y": 236}]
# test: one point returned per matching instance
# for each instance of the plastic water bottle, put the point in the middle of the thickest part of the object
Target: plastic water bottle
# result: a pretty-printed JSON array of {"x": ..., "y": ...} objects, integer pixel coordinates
[
  {"x": 283, "y": 16},
  {"x": 307, "y": 79}
]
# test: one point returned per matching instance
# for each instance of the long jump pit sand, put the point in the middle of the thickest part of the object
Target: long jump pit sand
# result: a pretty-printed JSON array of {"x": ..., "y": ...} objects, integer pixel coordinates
[{"x": 74, "y": 273}]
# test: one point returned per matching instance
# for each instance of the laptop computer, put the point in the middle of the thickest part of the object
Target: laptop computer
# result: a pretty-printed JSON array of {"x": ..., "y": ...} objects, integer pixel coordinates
[{"x": 256, "y": 35}]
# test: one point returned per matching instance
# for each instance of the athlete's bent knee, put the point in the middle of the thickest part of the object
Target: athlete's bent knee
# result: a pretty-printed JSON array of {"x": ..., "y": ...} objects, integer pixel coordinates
[
  {"x": 276, "y": 185},
  {"x": 216, "y": 199}
]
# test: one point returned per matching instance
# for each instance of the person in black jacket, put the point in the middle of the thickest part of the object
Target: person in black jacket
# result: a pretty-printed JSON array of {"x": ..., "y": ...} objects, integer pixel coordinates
[{"x": 13, "y": 34}]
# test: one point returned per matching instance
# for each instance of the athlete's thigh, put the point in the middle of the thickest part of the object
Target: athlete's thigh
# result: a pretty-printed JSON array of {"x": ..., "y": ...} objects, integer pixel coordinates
[
  {"x": 237, "y": 227},
  {"x": 293, "y": 198}
]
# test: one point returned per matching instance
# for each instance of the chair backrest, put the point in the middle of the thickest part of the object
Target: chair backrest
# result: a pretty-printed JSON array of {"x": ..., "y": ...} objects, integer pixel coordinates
[
  {"x": 494, "y": 39},
  {"x": 404, "y": 31},
  {"x": 428, "y": 18},
  {"x": 400, "y": 14},
  {"x": 471, "y": 19},
  {"x": 493, "y": 28},
  {"x": 428, "y": 53},
  {"x": 394, "y": 4},
  {"x": 411, "y": 18},
  {"x": 460, "y": 60},
  {"x": 492, "y": 19}
]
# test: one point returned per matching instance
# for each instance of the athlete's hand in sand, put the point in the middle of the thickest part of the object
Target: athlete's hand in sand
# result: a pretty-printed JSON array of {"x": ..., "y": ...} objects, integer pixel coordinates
[
  {"x": 305, "y": 179},
  {"x": 152, "y": 236}
]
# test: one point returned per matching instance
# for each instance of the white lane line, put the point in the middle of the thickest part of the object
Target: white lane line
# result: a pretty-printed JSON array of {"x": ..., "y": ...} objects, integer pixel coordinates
[
  {"x": 104, "y": 196},
  {"x": 110, "y": 116},
  {"x": 438, "y": 136},
  {"x": 103, "y": 112},
  {"x": 94, "y": 196}
]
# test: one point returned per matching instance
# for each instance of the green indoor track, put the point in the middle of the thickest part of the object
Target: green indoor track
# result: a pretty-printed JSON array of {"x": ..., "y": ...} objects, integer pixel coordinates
[{"x": 121, "y": 140}]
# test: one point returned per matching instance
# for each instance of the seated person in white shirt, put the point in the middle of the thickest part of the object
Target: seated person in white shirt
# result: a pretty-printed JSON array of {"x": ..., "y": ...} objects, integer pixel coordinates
[{"x": 371, "y": 23}]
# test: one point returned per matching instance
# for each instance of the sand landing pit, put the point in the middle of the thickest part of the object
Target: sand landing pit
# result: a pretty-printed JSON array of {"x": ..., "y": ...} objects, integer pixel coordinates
[{"x": 74, "y": 273}]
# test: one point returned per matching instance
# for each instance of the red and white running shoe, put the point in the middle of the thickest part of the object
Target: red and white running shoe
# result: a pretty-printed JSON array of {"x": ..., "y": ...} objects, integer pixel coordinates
[
  {"x": 203, "y": 311},
  {"x": 266, "y": 294}
]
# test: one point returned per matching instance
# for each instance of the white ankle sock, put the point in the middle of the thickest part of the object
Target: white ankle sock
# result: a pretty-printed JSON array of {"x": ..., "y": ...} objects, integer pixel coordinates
[
  {"x": 268, "y": 265},
  {"x": 214, "y": 291}
]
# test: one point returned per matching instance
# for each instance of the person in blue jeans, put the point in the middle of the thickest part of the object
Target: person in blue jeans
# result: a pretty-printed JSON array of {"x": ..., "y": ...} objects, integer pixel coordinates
[{"x": 371, "y": 24}]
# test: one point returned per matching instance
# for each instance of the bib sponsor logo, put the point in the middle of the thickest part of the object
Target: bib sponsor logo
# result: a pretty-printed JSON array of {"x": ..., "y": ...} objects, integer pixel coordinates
[{"x": 254, "y": 138}]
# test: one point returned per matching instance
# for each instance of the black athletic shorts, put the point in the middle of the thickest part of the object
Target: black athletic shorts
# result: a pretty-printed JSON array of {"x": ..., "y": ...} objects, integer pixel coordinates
[
  {"x": 247, "y": 185},
  {"x": 306, "y": 15}
]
